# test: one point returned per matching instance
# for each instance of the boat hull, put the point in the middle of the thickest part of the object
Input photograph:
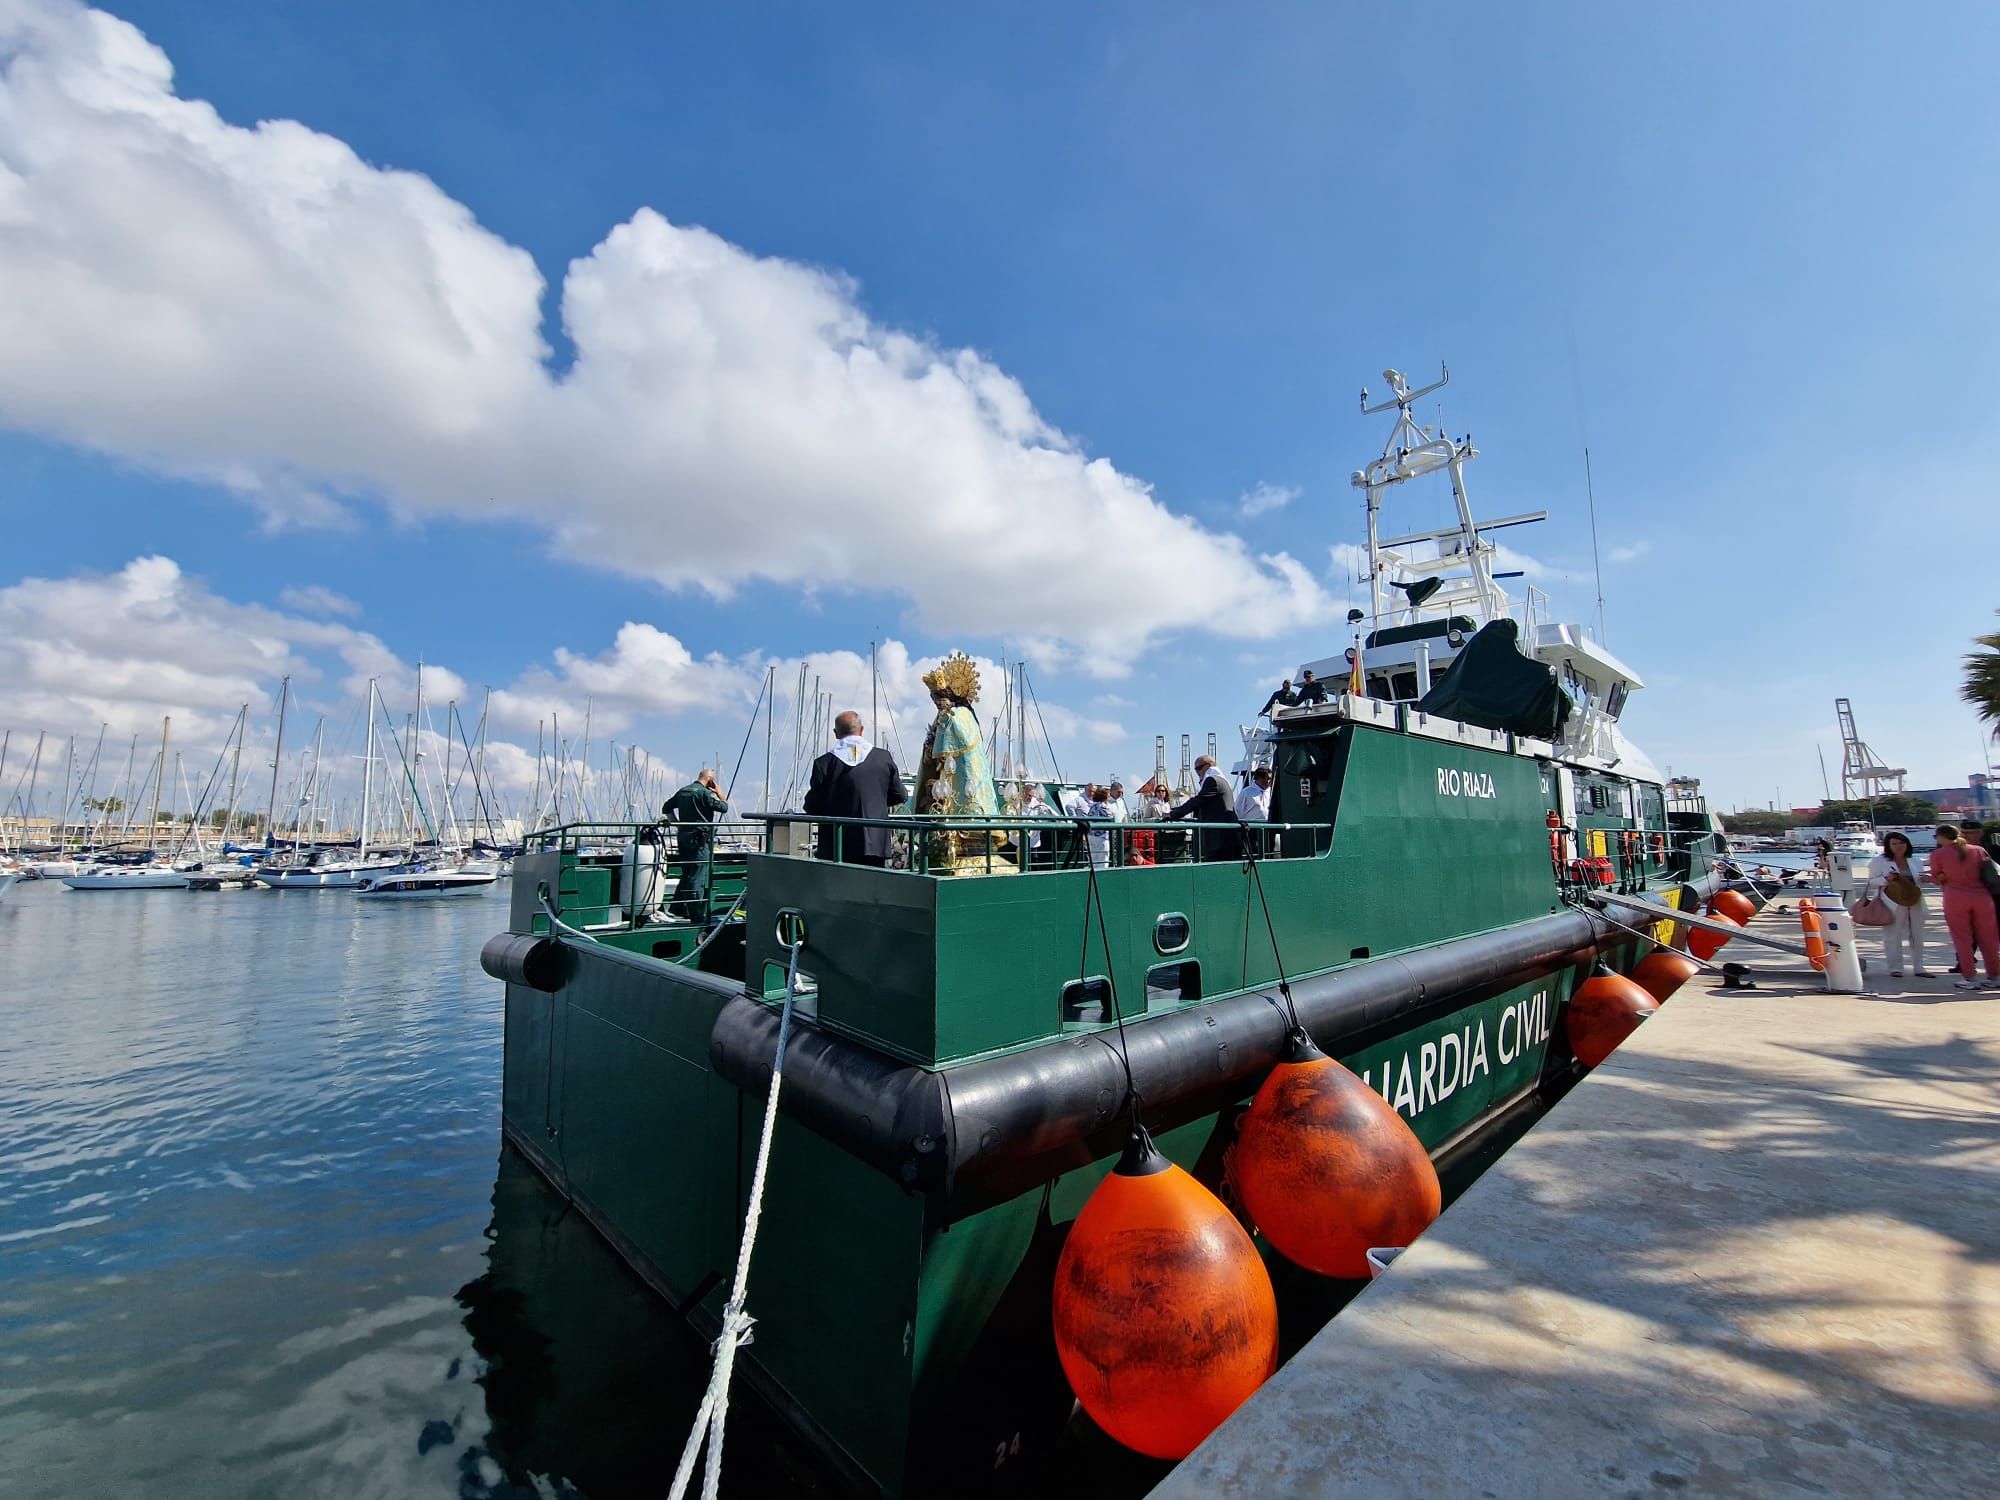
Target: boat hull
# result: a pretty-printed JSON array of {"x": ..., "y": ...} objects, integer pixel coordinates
[
  {"x": 140, "y": 880},
  {"x": 427, "y": 887},
  {"x": 943, "y": 1120}
]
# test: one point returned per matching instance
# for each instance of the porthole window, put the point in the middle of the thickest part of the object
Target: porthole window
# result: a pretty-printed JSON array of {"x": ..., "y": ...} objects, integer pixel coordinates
[
  {"x": 1171, "y": 933},
  {"x": 791, "y": 929}
]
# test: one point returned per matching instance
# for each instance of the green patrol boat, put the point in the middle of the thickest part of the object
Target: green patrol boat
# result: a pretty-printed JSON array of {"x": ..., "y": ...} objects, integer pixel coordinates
[{"x": 955, "y": 1077}]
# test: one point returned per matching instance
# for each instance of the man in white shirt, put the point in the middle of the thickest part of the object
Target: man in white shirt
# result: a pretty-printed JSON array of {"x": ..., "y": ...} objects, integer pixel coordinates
[
  {"x": 1119, "y": 812},
  {"x": 1253, "y": 805},
  {"x": 1032, "y": 806}
]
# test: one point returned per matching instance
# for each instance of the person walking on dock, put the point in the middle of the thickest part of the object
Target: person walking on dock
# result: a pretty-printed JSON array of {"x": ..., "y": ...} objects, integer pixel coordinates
[
  {"x": 1966, "y": 872},
  {"x": 1892, "y": 875},
  {"x": 854, "y": 780},
  {"x": 692, "y": 810}
]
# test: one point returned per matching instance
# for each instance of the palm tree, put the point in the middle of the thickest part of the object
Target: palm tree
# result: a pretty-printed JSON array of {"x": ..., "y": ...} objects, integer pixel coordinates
[{"x": 1982, "y": 679}]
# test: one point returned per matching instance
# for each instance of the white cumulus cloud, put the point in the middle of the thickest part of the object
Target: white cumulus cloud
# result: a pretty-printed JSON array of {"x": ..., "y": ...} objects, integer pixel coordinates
[{"x": 260, "y": 307}]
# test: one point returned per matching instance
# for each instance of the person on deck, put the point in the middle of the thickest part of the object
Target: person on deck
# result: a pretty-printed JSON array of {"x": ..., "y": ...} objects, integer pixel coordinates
[
  {"x": 1120, "y": 813},
  {"x": 691, "y": 811},
  {"x": 1212, "y": 802},
  {"x": 1098, "y": 809},
  {"x": 1029, "y": 803},
  {"x": 1956, "y": 865},
  {"x": 1311, "y": 689},
  {"x": 854, "y": 780},
  {"x": 1285, "y": 697},
  {"x": 1253, "y": 805},
  {"x": 1892, "y": 875}
]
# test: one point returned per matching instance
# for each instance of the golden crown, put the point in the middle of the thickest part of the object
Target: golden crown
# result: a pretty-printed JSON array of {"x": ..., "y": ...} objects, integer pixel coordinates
[{"x": 955, "y": 675}]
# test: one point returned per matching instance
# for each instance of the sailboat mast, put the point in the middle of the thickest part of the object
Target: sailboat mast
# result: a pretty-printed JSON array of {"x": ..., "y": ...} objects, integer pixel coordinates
[
  {"x": 367, "y": 775},
  {"x": 235, "y": 772},
  {"x": 62, "y": 812},
  {"x": 277, "y": 760},
  {"x": 166, "y": 726},
  {"x": 308, "y": 787},
  {"x": 90, "y": 774},
  {"x": 125, "y": 782},
  {"x": 479, "y": 765},
  {"x": 770, "y": 727},
  {"x": 34, "y": 774}
]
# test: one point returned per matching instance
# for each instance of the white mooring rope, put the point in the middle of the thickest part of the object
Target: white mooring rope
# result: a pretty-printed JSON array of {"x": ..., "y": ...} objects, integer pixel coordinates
[{"x": 736, "y": 1322}]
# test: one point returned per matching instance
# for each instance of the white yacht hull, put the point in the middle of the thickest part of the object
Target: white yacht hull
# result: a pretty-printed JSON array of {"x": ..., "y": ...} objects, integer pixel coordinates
[
  {"x": 426, "y": 885},
  {"x": 140, "y": 879}
]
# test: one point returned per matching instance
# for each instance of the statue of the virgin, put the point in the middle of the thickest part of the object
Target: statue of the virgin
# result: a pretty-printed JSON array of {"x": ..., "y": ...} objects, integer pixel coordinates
[{"x": 955, "y": 776}]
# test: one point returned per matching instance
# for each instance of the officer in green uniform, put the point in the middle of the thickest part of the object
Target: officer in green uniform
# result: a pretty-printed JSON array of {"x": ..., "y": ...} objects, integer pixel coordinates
[{"x": 690, "y": 811}]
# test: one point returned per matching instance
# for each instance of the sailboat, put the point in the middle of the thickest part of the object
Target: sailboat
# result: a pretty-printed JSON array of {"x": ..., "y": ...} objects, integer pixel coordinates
[{"x": 156, "y": 873}]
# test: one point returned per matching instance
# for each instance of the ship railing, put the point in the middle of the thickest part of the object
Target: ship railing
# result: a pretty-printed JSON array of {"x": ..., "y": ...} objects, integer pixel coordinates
[
  {"x": 928, "y": 845},
  {"x": 1627, "y": 860},
  {"x": 589, "y": 842}
]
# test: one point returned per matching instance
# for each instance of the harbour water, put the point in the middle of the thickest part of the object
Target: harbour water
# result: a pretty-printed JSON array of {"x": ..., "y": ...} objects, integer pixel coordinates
[{"x": 257, "y": 1235}]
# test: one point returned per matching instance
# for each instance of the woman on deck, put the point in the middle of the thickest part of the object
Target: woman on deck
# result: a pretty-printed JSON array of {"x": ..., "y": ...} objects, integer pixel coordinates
[
  {"x": 1892, "y": 875},
  {"x": 1968, "y": 908}
]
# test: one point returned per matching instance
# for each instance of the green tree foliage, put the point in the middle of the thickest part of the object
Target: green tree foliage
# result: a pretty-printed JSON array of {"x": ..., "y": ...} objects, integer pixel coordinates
[
  {"x": 1982, "y": 679},
  {"x": 1758, "y": 820},
  {"x": 105, "y": 804},
  {"x": 1897, "y": 807}
]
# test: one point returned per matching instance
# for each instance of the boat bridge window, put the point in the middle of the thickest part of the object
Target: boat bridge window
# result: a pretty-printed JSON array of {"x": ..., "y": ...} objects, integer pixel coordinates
[{"x": 1614, "y": 702}]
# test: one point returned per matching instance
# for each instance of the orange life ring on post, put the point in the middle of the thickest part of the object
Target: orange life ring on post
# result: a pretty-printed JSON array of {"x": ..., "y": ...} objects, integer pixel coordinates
[
  {"x": 1556, "y": 842},
  {"x": 1815, "y": 933}
]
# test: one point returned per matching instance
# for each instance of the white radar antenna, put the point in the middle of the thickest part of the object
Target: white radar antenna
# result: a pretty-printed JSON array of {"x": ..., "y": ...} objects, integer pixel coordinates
[{"x": 1460, "y": 579}]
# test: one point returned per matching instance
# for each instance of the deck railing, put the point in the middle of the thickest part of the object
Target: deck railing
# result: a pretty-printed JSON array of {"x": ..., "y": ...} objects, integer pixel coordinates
[{"x": 929, "y": 845}]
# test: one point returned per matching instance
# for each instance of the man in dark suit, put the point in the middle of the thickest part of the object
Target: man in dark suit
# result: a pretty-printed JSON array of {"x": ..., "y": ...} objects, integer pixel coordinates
[
  {"x": 854, "y": 780},
  {"x": 1213, "y": 802}
]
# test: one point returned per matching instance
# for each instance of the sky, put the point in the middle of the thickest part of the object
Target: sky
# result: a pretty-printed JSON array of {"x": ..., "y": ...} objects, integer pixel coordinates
[{"x": 616, "y": 363}]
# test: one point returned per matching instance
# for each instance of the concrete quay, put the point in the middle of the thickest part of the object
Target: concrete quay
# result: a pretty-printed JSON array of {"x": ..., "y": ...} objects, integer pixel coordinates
[{"x": 1757, "y": 1252}]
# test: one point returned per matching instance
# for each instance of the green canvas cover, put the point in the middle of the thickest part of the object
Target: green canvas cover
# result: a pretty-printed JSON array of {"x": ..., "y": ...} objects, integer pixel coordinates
[{"x": 1491, "y": 684}]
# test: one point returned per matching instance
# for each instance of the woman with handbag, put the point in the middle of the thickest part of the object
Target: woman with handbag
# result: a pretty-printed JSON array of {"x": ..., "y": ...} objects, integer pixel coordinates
[
  {"x": 1892, "y": 884},
  {"x": 1967, "y": 875}
]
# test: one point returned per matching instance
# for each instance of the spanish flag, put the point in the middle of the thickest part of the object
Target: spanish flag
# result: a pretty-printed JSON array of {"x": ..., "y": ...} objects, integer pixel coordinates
[{"x": 1354, "y": 678}]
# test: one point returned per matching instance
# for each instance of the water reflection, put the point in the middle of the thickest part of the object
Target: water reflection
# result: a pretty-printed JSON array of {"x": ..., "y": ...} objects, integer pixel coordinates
[{"x": 590, "y": 1378}]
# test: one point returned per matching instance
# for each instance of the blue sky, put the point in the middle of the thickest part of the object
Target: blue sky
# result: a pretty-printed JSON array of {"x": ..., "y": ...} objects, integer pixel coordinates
[{"x": 1746, "y": 256}]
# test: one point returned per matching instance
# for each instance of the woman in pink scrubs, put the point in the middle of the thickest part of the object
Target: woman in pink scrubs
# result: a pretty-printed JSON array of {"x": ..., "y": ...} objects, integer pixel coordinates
[{"x": 1968, "y": 909}]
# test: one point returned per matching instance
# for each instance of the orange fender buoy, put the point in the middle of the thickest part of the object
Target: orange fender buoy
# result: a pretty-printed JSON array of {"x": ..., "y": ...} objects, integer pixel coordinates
[
  {"x": 1734, "y": 905},
  {"x": 1662, "y": 972},
  {"x": 1815, "y": 933},
  {"x": 1704, "y": 944},
  {"x": 1605, "y": 1009},
  {"x": 1328, "y": 1170},
  {"x": 1165, "y": 1320}
]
